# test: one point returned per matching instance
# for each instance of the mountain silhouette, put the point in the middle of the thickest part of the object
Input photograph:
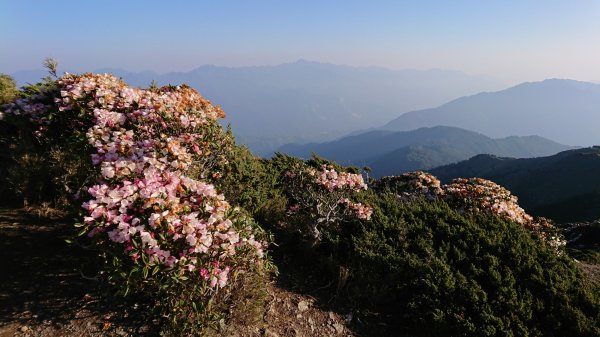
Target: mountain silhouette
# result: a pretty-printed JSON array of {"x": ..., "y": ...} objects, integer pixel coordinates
[
  {"x": 306, "y": 101},
  {"x": 395, "y": 152},
  {"x": 566, "y": 111}
]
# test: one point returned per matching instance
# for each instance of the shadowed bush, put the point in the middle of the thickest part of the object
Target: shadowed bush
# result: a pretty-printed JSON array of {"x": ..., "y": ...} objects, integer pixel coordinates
[{"x": 441, "y": 273}]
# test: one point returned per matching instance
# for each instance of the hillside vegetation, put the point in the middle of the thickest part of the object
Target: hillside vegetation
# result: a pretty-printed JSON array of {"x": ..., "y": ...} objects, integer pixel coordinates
[{"x": 194, "y": 226}]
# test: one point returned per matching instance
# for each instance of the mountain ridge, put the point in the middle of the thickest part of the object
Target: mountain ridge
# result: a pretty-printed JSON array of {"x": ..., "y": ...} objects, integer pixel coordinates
[
  {"x": 559, "y": 109},
  {"x": 393, "y": 152},
  {"x": 303, "y": 101}
]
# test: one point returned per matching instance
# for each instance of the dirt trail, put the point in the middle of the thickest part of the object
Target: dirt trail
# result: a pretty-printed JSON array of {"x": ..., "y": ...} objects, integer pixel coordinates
[
  {"x": 43, "y": 293},
  {"x": 41, "y": 290}
]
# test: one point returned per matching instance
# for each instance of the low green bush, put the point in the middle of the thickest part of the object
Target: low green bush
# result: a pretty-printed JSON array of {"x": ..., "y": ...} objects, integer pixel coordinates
[
  {"x": 437, "y": 269},
  {"x": 442, "y": 273},
  {"x": 251, "y": 183}
]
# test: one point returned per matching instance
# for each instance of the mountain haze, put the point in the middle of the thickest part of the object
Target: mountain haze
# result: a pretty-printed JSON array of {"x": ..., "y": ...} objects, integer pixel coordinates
[
  {"x": 395, "y": 152},
  {"x": 305, "y": 101},
  {"x": 566, "y": 111}
]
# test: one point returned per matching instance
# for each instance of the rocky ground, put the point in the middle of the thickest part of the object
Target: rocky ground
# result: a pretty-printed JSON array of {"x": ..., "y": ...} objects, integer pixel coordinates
[
  {"x": 591, "y": 270},
  {"x": 44, "y": 291}
]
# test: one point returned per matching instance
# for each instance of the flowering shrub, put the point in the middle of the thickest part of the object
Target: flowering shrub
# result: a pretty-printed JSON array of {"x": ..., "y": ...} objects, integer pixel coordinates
[
  {"x": 319, "y": 199},
  {"x": 166, "y": 230},
  {"x": 470, "y": 195},
  {"x": 329, "y": 178},
  {"x": 477, "y": 194},
  {"x": 435, "y": 271},
  {"x": 411, "y": 184},
  {"x": 35, "y": 172}
]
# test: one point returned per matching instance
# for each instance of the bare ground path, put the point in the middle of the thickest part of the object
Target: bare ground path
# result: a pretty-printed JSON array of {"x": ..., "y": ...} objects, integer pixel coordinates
[{"x": 43, "y": 293}]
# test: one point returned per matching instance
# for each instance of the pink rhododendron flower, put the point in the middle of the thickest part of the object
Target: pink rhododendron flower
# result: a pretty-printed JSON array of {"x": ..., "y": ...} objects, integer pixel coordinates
[
  {"x": 319, "y": 199},
  {"x": 143, "y": 144}
]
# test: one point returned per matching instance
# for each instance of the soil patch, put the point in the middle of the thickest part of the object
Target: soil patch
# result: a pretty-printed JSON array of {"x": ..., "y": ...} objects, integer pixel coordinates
[{"x": 43, "y": 291}]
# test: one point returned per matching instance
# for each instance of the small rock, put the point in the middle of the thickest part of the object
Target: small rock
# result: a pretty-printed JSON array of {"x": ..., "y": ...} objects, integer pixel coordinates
[
  {"x": 143, "y": 329},
  {"x": 299, "y": 316},
  {"x": 331, "y": 315},
  {"x": 269, "y": 333},
  {"x": 303, "y": 306},
  {"x": 310, "y": 321},
  {"x": 24, "y": 328},
  {"x": 338, "y": 328}
]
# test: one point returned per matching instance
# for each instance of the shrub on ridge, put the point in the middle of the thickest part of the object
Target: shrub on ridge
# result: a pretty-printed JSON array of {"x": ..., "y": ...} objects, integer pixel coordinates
[{"x": 149, "y": 201}]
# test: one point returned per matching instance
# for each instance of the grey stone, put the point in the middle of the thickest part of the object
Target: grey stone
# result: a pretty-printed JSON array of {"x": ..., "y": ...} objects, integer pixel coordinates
[{"x": 303, "y": 306}]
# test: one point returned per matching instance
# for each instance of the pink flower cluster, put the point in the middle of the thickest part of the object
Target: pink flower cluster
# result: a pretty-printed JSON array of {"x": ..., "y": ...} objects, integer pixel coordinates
[
  {"x": 476, "y": 194},
  {"x": 470, "y": 195},
  {"x": 335, "y": 181},
  {"x": 35, "y": 110},
  {"x": 362, "y": 211},
  {"x": 319, "y": 199},
  {"x": 167, "y": 124},
  {"x": 411, "y": 184},
  {"x": 329, "y": 178},
  {"x": 144, "y": 142}
]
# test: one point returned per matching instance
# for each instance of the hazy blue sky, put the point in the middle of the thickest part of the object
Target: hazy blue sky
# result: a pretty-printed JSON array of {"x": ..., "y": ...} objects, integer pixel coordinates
[{"x": 512, "y": 40}]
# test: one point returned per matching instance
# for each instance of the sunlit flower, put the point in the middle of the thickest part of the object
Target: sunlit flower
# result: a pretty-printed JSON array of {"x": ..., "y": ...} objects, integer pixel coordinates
[{"x": 143, "y": 143}]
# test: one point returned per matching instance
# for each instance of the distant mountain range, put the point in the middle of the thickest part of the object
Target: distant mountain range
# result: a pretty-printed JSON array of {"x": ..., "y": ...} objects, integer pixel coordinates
[
  {"x": 395, "y": 152},
  {"x": 564, "y": 187},
  {"x": 566, "y": 111},
  {"x": 305, "y": 101}
]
